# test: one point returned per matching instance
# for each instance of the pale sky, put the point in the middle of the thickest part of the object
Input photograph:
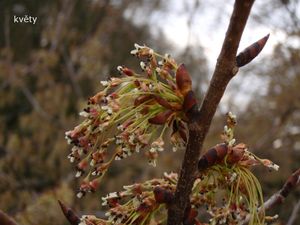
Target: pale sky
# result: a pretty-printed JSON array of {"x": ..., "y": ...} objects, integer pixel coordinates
[{"x": 208, "y": 29}]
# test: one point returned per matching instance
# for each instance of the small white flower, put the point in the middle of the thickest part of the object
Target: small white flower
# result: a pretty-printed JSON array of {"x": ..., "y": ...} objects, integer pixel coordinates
[
  {"x": 79, "y": 194},
  {"x": 137, "y": 148},
  {"x": 134, "y": 52},
  {"x": 78, "y": 173},
  {"x": 84, "y": 114},
  {"x": 68, "y": 133},
  {"x": 120, "y": 68},
  {"x": 72, "y": 159},
  {"x": 108, "y": 214},
  {"x": 232, "y": 142},
  {"x": 113, "y": 195},
  {"x": 93, "y": 162},
  {"x": 137, "y": 46},
  {"x": 274, "y": 166},
  {"x": 143, "y": 65},
  {"x": 109, "y": 111},
  {"x": 80, "y": 151},
  {"x": 233, "y": 177},
  {"x": 174, "y": 148},
  {"x": 231, "y": 115},
  {"x": 104, "y": 201},
  {"x": 119, "y": 141},
  {"x": 117, "y": 158},
  {"x": 132, "y": 138},
  {"x": 120, "y": 127},
  {"x": 104, "y": 107},
  {"x": 152, "y": 150},
  {"x": 152, "y": 163},
  {"x": 104, "y": 83}
]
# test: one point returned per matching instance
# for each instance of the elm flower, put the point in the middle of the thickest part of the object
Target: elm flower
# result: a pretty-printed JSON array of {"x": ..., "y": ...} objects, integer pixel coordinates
[{"x": 132, "y": 111}]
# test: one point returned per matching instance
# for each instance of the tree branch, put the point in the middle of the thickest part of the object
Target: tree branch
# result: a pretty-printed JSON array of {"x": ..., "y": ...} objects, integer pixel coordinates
[
  {"x": 292, "y": 182},
  {"x": 200, "y": 120},
  {"x": 5, "y": 219},
  {"x": 294, "y": 214}
]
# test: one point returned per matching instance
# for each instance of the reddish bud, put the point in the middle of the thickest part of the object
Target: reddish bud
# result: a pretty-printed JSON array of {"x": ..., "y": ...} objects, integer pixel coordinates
[
  {"x": 190, "y": 217},
  {"x": 141, "y": 99},
  {"x": 236, "y": 153},
  {"x": 248, "y": 54},
  {"x": 83, "y": 164},
  {"x": 94, "y": 184},
  {"x": 189, "y": 101},
  {"x": 162, "y": 195},
  {"x": 183, "y": 80},
  {"x": 69, "y": 214},
  {"x": 162, "y": 102},
  {"x": 161, "y": 118},
  {"x": 96, "y": 98},
  {"x": 127, "y": 71}
]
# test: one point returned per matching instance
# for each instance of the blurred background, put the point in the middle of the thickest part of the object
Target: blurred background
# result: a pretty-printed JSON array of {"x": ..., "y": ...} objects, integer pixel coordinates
[{"x": 49, "y": 69}]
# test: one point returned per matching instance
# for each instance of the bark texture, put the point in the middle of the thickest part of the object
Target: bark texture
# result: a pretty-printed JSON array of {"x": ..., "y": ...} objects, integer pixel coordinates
[{"x": 200, "y": 117}]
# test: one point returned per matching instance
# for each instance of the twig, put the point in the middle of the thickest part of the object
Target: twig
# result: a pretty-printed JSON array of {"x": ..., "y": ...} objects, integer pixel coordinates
[
  {"x": 200, "y": 120},
  {"x": 294, "y": 214},
  {"x": 291, "y": 183},
  {"x": 5, "y": 219}
]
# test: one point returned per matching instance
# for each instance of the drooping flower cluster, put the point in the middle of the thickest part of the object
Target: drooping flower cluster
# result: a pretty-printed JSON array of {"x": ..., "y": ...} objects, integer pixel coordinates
[
  {"x": 132, "y": 113},
  {"x": 226, "y": 189}
]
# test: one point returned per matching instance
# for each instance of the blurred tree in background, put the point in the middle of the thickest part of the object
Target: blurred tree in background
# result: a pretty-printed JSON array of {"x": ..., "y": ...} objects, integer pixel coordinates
[{"x": 48, "y": 70}]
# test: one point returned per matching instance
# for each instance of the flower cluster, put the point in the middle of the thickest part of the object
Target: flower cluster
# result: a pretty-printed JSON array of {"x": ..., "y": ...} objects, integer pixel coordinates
[
  {"x": 225, "y": 188},
  {"x": 228, "y": 193},
  {"x": 132, "y": 113}
]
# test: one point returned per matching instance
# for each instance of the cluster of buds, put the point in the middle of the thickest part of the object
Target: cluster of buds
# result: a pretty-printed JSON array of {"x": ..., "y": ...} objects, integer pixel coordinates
[
  {"x": 228, "y": 133},
  {"x": 140, "y": 203},
  {"x": 132, "y": 113},
  {"x": 228, "y": 178},
  {"x": 146, "y": 203},
  {"x": 229, "y": 165}
]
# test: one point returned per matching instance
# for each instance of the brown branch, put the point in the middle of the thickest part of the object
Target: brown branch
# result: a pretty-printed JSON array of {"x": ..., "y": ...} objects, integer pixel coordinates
[
  {"x": 5, "y": 219},
  {"x": 200, "y": 120},
  {"x": 295, "y": 214},
  {"x": 291, "y": 183}
]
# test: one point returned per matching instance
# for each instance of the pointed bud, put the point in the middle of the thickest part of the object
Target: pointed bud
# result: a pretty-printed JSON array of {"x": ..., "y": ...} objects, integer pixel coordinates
[
  {"x": 69, "y": 214},
  {"x": 248, "y": 54},
  {"x": 183, "y": 80}
]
